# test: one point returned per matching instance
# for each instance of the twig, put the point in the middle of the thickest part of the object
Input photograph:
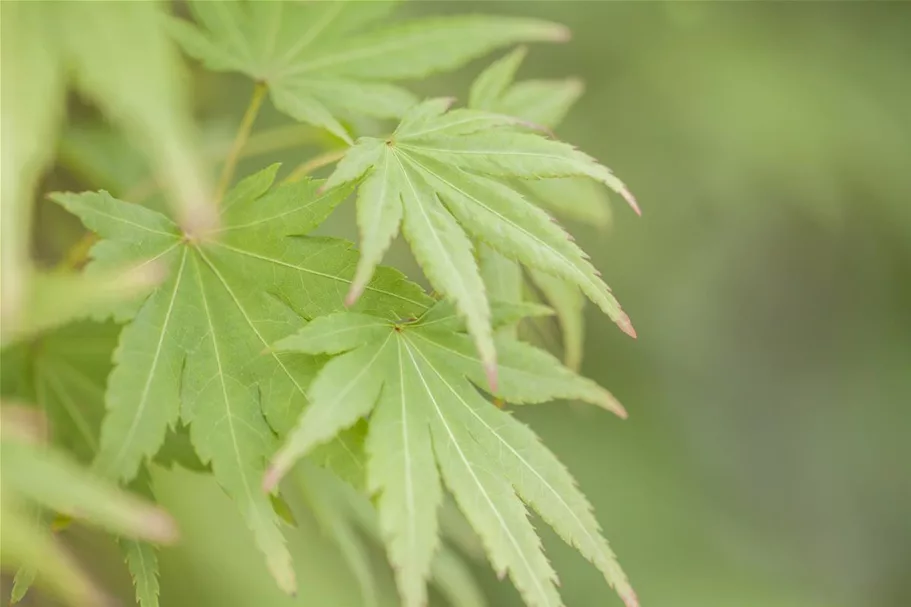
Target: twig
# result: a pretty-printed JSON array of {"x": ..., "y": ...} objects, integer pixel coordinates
[
  {"x": 317, "y": 162},
  {"x": 243, "y": 133}
]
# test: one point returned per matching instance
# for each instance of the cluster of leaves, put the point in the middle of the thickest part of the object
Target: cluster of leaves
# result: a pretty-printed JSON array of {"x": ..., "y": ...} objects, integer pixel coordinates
[{"x": 250, "y": 341}]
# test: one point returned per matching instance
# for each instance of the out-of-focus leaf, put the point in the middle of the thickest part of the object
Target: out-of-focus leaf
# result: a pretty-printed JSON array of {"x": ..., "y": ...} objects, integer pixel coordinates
[
  {"x": 31, "y": 105},
  {"x": 55, "y": 298},
  {"x": 48, "y": 478},
  {"x": 31, "y": 548},
  {"x": 123, "y": 60},
  {"x": 324, "y": 60}
]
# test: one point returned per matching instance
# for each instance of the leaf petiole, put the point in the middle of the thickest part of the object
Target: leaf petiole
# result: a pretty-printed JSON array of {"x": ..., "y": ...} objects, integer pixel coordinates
[
  {"x": 243, "y": 133},
  {"x": 312, "y": 164}
]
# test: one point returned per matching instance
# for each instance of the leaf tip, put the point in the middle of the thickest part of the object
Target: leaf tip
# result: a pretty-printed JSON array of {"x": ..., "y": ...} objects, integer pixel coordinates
[
  {"x": 626, "y": 325},
  {"x": 630, "y": 200},
  {"x": 158, "y": 525},
  {"x": 490, "y": 370},
  {"x": 560, "y": 33},
  {"x": 354, "y": 293},
  {"x": 273, "y": 475},
  {"x": 629, "y": 598}
]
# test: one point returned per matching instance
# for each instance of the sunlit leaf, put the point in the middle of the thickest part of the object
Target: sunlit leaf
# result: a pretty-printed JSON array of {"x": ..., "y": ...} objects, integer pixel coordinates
[
  {"x": 326, "y": 60},
  {"x": 196, "y": 350},
  {"x": 427, "y": 412}
]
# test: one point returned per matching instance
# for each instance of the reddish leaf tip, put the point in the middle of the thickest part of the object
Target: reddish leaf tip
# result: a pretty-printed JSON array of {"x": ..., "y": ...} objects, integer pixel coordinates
[
  {"x": 631, "y": 200},
  {"x": 626, "y": 325},
  {"x": 629, "y": 598},
  {"x": 490, "y": 370},
  {"x": 271, "y": 478},
  {"x": 561, "y": 33},
  {"x": 354, "y": 293}
]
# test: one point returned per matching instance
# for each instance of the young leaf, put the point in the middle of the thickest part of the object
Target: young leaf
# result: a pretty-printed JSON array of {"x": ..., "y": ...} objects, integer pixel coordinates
[
  {"x": 325, "y": 60},
  {"x": 434, "y": 173},
  {"x": 197, "y": 348},
  {"x": 142, "y": 562},
  {"x": 428, "y": 395},
  {"x": 546, "y": 103}
]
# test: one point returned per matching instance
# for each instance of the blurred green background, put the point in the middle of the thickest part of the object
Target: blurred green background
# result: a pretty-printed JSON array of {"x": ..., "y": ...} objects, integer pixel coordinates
[{"x": 767, "y": 458}]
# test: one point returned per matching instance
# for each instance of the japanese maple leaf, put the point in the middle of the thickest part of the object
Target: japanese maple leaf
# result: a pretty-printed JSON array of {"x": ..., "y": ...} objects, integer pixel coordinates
[
  {"x": 439, "y": 176},
  {"x": 193, "y": 350},
  {"x": 418, "y": 383},
  {"x": 323, "y": 61}
]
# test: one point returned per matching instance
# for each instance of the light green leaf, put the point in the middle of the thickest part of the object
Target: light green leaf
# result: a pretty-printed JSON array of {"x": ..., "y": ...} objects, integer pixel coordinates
[
  {"x": 143, "y": 565},
  {"x": 438, "y": 164},
  {"x": 447, "y": 257},
  {"x": 491, "y": 84},
  {"x": 536, "y": 474},
  {"x": 568, "y": 304},
  {"x": 527, "y": 374},
  {"x": 379, "y": 213},
  {"x": 198, "y": 348},
  {"x": 486, "y": 498},
  {"x": 358, "y": 159},
  {"x": 545, "y": 103},
  {"x": 402, "y": 470},
  {"x": 508, "y": 223},
  {"x": 574, "y": 198},
  {"x": 22, "y": 582},
  {"x": 424, "y": 397},
  {"x": 320, "y": 60},
  {"x": 345, "y": 391},
  {"x": 454, "y": 580},
  {"x": 522, "y": 155}
]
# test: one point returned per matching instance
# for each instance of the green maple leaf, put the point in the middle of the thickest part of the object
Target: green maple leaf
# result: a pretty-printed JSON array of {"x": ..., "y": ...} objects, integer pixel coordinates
[
  {"x": 323, "y": 60},
  {"x": 546, "y": 103},
  {"x": 194, "y": 349},
  {"x": 418, "y": 383},
  {"x": 436, "y": 175}
]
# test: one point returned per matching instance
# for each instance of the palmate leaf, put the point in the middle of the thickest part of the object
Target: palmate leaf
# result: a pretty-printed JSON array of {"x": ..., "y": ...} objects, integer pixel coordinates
[
  {"x": 195, "y": 349},
  {"x": 436, "y": 177},
  {"x": 544, "y": 102},
  {"x": 326, "y": 60},
  {"x": 428, "y": 422}
]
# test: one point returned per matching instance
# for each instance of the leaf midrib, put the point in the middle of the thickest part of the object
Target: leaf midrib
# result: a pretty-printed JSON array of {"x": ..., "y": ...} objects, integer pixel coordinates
[
  {"x": 567, "y": 261},
  {"x": 314, "y": 272},
  {"x": 477, "y": 481},
  {"x": 527, "y": 465},
  {"x": 143, "y": 399}
]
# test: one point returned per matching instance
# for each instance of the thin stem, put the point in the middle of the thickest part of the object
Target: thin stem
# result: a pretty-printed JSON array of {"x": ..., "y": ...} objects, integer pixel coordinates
[
  {"x": 78, "y": 253},
  {"x": 243, "y": 133},
  {"x": 317, "y": 162}
]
